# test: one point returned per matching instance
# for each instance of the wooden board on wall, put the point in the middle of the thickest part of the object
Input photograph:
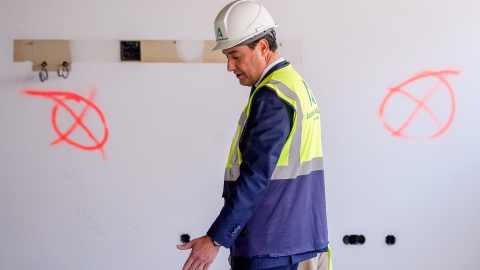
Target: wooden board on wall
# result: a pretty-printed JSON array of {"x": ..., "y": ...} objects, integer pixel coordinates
[
  {"x": 212, "y": 56},
  {"x": 180, "y": 51},
  {"x": 53, "y": 52},
  {"x": 159, "y": 51},
  {"x": 56, "y": 52}
]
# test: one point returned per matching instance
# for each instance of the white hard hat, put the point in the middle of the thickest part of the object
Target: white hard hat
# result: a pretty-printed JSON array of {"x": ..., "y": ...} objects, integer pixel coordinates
[{"x": 239, "y": 21}]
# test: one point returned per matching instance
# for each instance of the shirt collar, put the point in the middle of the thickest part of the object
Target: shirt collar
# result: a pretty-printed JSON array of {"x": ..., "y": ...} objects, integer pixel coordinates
[{"x": 267, "y": 69}]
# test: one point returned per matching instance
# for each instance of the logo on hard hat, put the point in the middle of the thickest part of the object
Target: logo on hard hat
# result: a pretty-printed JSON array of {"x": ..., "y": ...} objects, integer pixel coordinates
[{"x": 220, "y": 35}]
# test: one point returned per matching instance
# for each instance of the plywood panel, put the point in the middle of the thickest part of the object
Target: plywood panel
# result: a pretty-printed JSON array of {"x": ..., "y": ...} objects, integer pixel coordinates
[{"x": 53, "y": 52}]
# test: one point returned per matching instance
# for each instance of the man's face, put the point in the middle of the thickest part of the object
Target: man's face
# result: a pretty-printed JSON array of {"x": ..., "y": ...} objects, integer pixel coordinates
[{"x": 247, "y": 64}]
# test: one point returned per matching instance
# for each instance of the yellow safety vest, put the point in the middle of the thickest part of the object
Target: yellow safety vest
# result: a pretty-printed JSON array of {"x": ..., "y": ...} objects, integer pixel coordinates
[{"x": 302, "y": 152}]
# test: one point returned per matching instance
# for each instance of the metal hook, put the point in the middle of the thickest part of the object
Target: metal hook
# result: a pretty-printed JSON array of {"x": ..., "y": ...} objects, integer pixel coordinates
[
  {"x": 43, "y": 75},
  {"x": 61, "y": 71}
]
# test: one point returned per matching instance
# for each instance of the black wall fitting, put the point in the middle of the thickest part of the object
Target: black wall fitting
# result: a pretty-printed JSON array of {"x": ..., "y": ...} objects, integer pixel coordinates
[
  {"x": 354, "y": 239},
  {"x": 390, "y": 240},
  {"x": 184, "y": 238}
]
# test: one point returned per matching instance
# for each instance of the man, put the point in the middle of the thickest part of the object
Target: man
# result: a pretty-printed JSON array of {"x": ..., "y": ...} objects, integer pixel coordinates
[{"x": 274, "y": 214}]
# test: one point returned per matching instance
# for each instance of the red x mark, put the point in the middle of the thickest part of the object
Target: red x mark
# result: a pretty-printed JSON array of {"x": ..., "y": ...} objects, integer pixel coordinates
[
  {"x": 421, "y": 104},
  {"x": 60, "y": 98}
]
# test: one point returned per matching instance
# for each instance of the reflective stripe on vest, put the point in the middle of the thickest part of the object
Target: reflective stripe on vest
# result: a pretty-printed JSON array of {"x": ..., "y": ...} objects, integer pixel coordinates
[{"x": 290, "y": 164}]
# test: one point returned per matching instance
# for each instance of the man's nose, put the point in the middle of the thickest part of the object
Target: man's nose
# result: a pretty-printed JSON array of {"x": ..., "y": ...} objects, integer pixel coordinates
[{"x": 231, "y": 65}]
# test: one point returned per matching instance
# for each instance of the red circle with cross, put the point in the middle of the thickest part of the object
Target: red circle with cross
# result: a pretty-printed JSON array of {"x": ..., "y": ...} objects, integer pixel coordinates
[
  {"x": 63, "y": 101},
  {"x": 420, "y": 104}
]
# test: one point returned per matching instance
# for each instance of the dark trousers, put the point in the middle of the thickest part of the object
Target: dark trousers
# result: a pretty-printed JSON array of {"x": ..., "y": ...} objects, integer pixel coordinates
[
  {"x": 285, "y": 267},
  {"x": 264, "y": 263}
]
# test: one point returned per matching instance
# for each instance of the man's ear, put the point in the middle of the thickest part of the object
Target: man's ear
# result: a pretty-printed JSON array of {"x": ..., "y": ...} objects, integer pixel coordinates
[{"x": 263, "y": 46}]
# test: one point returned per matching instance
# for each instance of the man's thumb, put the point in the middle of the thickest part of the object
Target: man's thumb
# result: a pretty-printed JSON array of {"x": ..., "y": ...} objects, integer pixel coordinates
[{"x": 185, "y": 246}]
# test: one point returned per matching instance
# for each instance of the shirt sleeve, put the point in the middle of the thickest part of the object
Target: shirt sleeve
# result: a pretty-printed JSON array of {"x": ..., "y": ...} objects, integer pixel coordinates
[{"x": 265, "y": 134}]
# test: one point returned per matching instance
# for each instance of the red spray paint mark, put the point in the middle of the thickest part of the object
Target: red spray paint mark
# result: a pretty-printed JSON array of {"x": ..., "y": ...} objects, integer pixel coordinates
[
  {"x": 421, "y": 103},
  {"x": 60, "y": 99}
]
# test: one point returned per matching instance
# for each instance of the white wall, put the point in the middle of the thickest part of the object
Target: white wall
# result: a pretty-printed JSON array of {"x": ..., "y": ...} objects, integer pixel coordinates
[{"x": 170, "y": 126}]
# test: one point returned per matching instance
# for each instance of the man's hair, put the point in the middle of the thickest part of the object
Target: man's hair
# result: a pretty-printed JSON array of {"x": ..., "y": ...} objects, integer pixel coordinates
[{"x": 271, "y": 39}]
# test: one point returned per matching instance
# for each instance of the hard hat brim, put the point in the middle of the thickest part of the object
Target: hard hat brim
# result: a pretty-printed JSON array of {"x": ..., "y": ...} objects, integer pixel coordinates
[{"x": 225, "y": 45}]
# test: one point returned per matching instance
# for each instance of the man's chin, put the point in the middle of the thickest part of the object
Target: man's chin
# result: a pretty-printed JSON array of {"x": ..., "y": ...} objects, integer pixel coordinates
[{"x": 245, "y": 83}]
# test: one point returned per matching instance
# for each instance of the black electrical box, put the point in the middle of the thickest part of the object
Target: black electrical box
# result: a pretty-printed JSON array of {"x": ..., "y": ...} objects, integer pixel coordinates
[{"x": 130, "y": 51}]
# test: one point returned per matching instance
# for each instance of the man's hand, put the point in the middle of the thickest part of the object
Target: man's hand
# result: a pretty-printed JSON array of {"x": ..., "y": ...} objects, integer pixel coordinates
[{"x": 203, "y": 253}]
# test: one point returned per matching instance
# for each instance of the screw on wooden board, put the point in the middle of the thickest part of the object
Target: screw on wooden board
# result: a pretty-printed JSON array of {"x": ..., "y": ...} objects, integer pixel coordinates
[{"x": 43, "y": 75}]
